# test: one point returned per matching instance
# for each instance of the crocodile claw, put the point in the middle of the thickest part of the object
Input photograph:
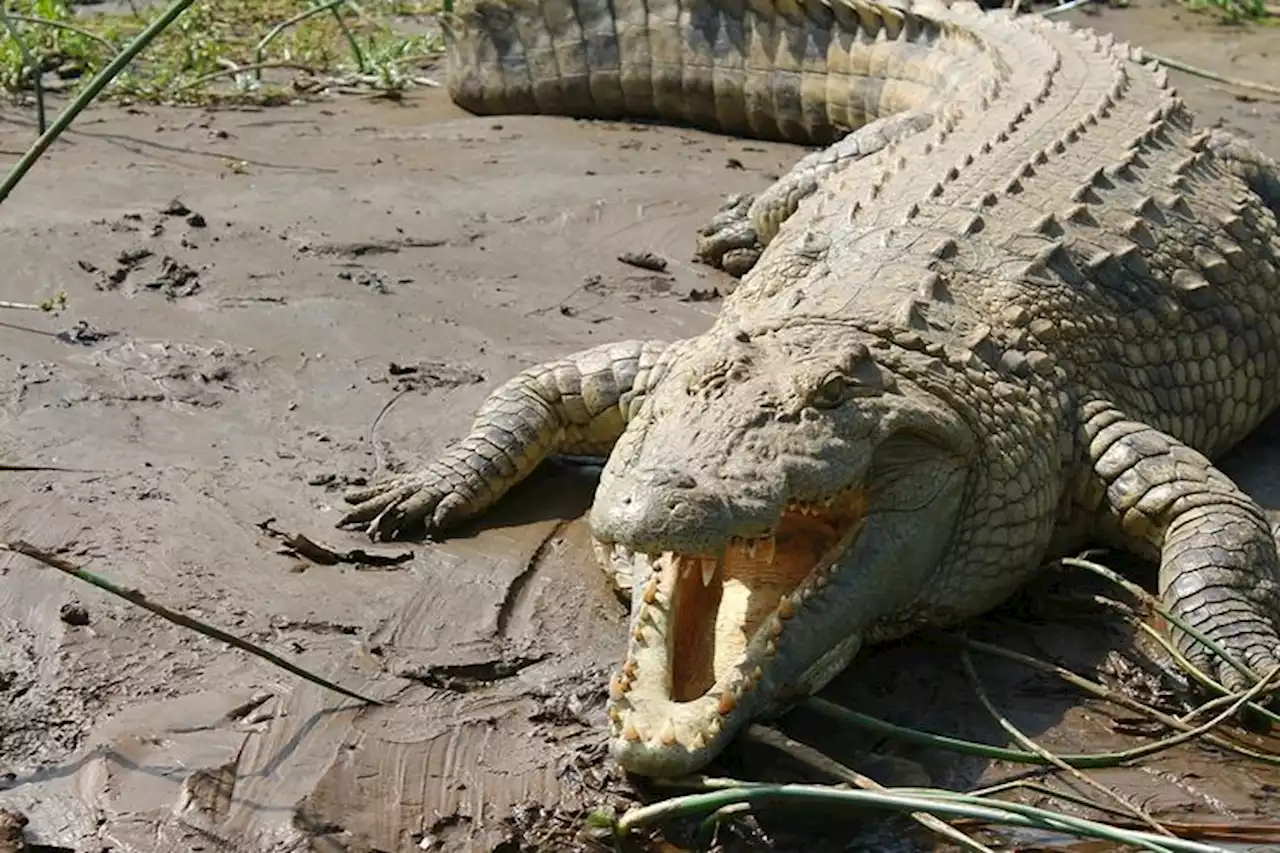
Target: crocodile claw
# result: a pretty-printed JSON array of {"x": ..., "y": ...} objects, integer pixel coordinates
[
  {"x": 395, "y": 505},
  {"x": 1259, "y": 652},
  {"x": 729, "y": 241}
]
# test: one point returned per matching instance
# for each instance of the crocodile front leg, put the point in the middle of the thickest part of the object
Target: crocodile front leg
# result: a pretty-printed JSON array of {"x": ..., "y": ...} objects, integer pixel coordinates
[
  {"x": 736, "y": 236},
  {"x": 577, "y": 405},
  {"x": 1218, "y": 560}
]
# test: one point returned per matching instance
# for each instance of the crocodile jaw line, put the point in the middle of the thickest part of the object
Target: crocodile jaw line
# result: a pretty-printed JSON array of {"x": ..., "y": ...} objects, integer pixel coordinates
[{"x": 705, "y": 630}]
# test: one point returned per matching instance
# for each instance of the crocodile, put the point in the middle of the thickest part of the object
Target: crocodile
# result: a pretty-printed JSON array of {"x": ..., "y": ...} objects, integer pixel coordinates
[{"x": 1013, "y": 303}]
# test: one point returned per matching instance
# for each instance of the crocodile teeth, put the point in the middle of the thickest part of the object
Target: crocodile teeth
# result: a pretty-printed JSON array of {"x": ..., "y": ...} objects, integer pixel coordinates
[
  {"x": 697, "y": 742},
  {"x": 651, "y": 591},
  {"x": 709, "y": 571}
]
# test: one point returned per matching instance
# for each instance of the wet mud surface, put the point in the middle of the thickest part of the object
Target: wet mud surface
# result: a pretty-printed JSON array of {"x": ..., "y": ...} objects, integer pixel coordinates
[{"x": 267, "y": 306}]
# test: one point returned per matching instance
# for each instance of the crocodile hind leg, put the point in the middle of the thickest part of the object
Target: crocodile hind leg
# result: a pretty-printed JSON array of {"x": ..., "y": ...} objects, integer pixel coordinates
[
  {"x": 1219, "y": 569},
  {"x": 577, "y": 405},
  {"x": 736, "y": 236}
]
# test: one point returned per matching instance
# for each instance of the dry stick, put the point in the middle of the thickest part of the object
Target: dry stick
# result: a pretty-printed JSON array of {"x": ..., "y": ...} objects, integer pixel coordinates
[
  {"x": 1210, "y": 75},
  {"x": 12, "y": 466},
  {"x": 1256, "y": 831},
  {"x": 379, "y": 458},
  {"x": 1070, "y": 797},
  {"x": 1211, "y": 705},
  {"x": 1176, "y": 63},
  {"x": 935, "y": 801},
  {"x": 133, "y": 596},
  {"x": 256, "y": 67},
  {"x": 52, "y": 305},
  {"x": 1186, "y": 732},
  {"x": 846, "y": 716},
  {"x": 1005, "y": 723},
  {"x": 1066, "y": 7},
  {"x": 825, "y": 764}
]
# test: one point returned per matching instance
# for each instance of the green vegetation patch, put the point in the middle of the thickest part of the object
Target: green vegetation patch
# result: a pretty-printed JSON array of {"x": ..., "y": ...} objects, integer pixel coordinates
[
  {"x": 255, "y": 51},
  {"x": 1236, "y": 11}
]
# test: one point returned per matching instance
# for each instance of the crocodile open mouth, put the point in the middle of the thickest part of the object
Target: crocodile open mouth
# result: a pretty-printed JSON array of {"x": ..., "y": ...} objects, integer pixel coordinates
[
  {"x": 720, "y": 604},
  {"x": 718, "y": 619}
]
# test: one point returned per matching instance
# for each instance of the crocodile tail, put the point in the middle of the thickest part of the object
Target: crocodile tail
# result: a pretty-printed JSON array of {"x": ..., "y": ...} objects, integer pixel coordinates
[{"x": 804, "y": 71}]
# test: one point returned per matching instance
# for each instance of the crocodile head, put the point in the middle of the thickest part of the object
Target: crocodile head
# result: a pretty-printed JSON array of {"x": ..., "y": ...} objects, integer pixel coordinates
[{"x": 778, "y": 493}]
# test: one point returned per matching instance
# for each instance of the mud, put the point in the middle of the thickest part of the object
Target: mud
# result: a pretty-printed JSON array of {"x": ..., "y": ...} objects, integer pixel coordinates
[{"x": 269, "y": 305}]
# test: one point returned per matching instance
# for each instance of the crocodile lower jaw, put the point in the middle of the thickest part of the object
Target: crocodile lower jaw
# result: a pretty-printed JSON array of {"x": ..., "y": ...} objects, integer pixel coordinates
[{"x": 707, "y": 629}]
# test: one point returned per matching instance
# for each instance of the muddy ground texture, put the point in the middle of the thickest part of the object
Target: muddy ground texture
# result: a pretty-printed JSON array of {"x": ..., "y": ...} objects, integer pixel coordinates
[{"x": 268, "y": 305}]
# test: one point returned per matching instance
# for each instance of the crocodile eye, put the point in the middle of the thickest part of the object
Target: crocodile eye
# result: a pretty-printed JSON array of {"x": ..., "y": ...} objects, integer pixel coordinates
[{"x": 833, "y": 391}]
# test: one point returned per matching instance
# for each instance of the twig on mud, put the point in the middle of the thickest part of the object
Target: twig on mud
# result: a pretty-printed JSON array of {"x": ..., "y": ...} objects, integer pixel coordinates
[
  {"x": 1177, "y": 64},
  {"x": 1186, "y": 732},
  {"x": 256, "y": 67},
  {"x": 1254, "y": 831},
  {"x": 300, "y": 545},
  {"x": 1029, "y": 785},
  {"x": 1066, "y": 7},
  {"x": 37, "y": 81},
  {"x": 135, "y": 597},
  {"x": 52, "y": 305},
  {"x": 936, "y": 802},
  {"x": 850, "y": 717},
  {"x": 1196, "y": 71},
  {"x": 833, "y": 711},
  {"x": 328, "y": 6},
  {"x": 90, "y": 93},
  {"x": 9, "y": 466},
  {"x": 1017, "y": 734},
  {"x": 379, "y": 458},
  {"x": 824, "y": 764}
]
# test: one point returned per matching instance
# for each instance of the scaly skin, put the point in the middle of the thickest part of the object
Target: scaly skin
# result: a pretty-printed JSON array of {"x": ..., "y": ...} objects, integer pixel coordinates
[{"x": 1019, "y": 308}]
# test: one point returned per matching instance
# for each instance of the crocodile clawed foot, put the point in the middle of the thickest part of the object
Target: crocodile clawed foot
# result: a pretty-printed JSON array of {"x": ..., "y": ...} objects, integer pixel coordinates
[
  {"x": 729, "y": 241},
  {"x": 1259, "y": 652},
  {"x": 393, "y": 506}
]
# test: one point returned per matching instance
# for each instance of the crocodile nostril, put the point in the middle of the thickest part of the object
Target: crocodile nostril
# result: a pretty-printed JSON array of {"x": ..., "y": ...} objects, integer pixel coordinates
[{"x": 684, "y": 481}]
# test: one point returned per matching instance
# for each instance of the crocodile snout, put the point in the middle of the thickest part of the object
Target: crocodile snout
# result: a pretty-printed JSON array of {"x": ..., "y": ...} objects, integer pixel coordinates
[{"x": 660, "y": 509}]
